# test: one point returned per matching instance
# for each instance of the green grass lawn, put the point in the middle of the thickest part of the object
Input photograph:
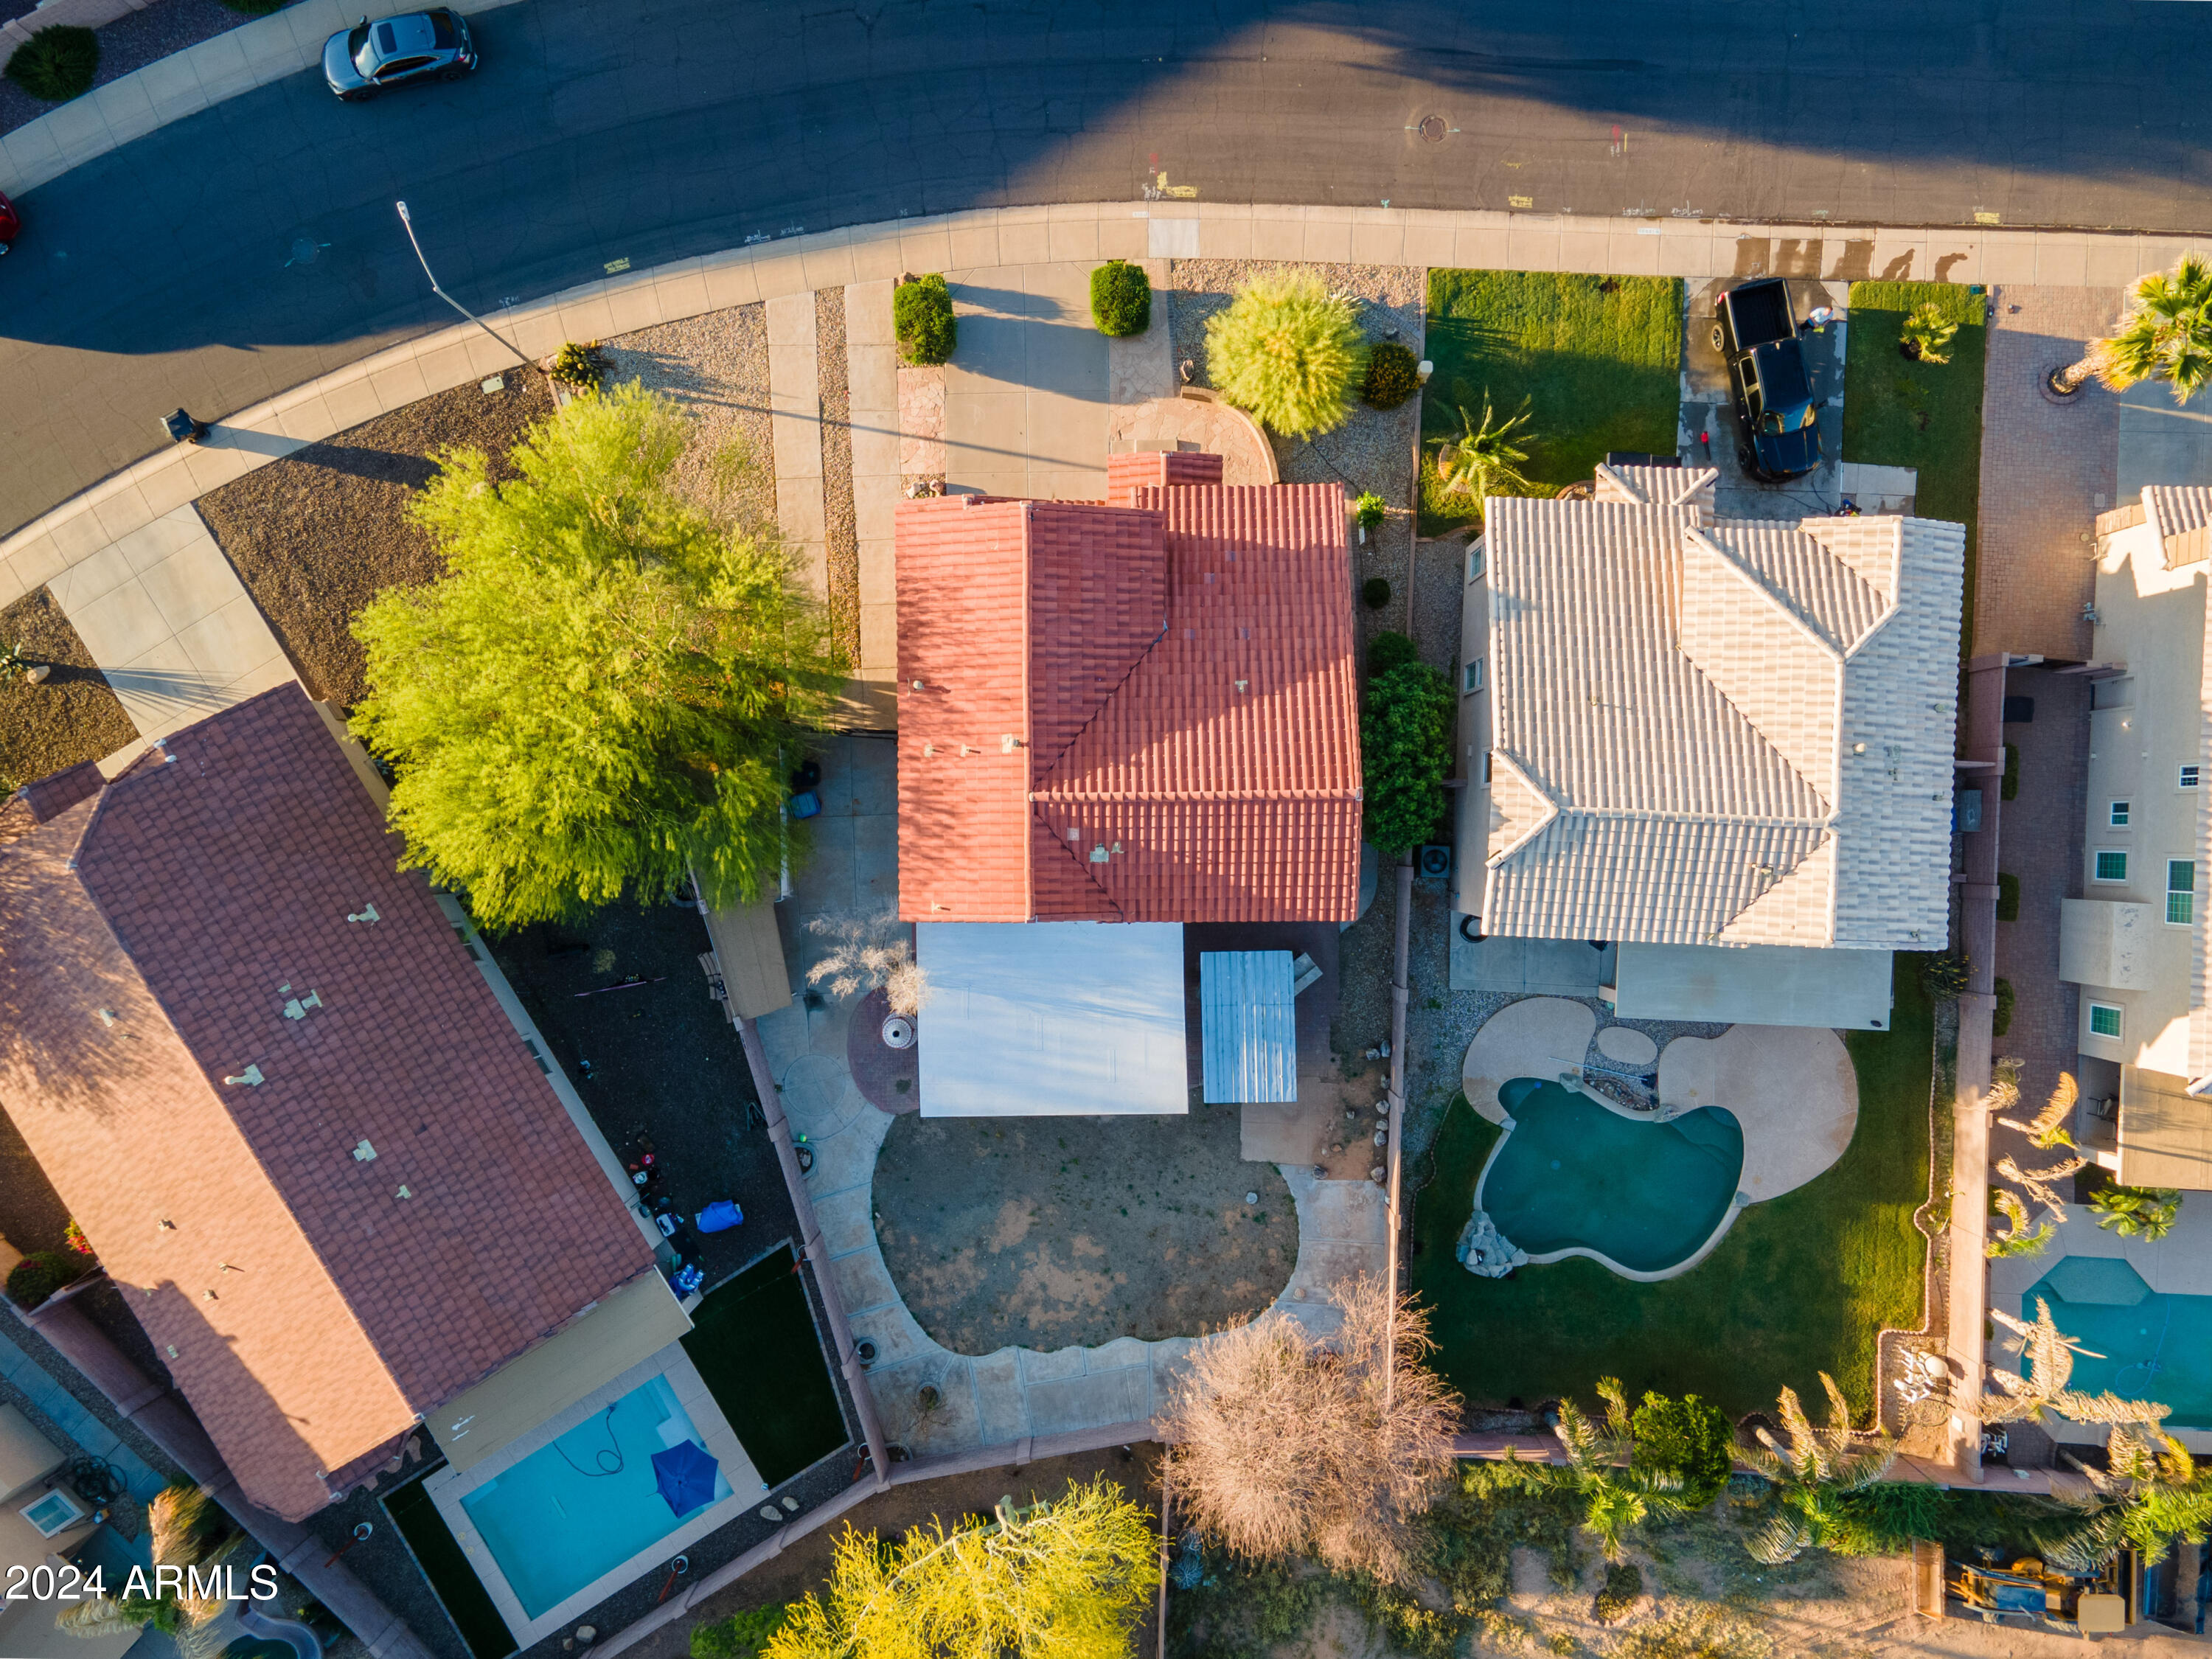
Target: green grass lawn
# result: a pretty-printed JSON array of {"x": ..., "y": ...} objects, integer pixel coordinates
[
  {"x": 1929, "y": 415},
  {"x": 753, "y": 1340},
  {"x": 1597, "y": 358},
  {"x": 1802, "y": 1284}
]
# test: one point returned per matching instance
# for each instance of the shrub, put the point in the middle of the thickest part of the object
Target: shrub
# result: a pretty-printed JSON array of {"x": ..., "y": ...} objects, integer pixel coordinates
[
  {"x": 921, "y": 317},
  {"x": 1289, "y": 351},
  {"x": 2010, "y": 784},
  {"x": 73, "y": 1235},
  {"x": 1374, "y": 593},
  {"x": 1623, "y": 1588},
  {"x": 1406, "y": 745},
  {"x": 579, "y": 365},
  {"x": 1387, "y": 650},
  {"x": 1686, "y": 1439},
  {"x": 2008, "y": 897},
  {"x": 2002, "y": 1021},
  {"x": 1121, "y": 299},
  {"x": 1927, "y": 335},
  {"x": 1370, "y": 509},
  {"x": 56, "y": 63},
  {"x": 741, "y": 1636},
  {"x": 40, "y": 1274},
  {"x": 1946, "y": 977},
  {"x": 1393, "y": 374}
]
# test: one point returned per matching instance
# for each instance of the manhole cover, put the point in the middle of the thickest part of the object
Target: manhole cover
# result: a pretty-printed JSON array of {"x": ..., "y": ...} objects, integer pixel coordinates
[
  {"x": 304, "y": 250},
  {"x": 1432, "y": 128}
]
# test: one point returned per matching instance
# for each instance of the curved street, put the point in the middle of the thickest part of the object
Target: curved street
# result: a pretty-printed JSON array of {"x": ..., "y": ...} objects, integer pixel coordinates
[{"x": 254, "y": 246}]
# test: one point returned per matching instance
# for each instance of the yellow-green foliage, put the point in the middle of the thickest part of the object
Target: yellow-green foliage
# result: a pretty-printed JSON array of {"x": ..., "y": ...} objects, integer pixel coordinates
[
  {"x": 597, "y": 694},
  {"x": 1289, "y": 351},
  {"x": 1065, "y": 1579}
]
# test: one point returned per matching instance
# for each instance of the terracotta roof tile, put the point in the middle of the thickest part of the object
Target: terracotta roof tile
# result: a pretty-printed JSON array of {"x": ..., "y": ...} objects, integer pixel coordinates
[
  {"x": 1207, "y": 769},
  {"x": 150, "y": 938}
]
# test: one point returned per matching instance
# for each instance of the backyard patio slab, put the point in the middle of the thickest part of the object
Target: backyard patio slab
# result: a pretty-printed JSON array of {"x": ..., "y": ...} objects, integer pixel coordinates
[
  {"x": 1792, "y": 1089},
  {"x": 1538, "y": 1037}
]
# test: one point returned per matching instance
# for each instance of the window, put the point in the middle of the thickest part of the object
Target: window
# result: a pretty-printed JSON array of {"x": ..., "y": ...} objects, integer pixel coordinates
[
  {"x": 2111, "y": 867},
  {"x": 2180, "y": 892},
  {"x": 1471, "y": 677},
  {"x": 1475, "y": 560},
  {"x": 2187, "y": 780},
  {"x": 56, "y": 1512},
  {"x": 2104, "y": 1020},
  {"x": 2118, "y": 816}
]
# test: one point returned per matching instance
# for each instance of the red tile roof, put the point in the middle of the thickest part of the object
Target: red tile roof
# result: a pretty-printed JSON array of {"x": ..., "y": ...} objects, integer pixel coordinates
[
  {"x": 1177, "y": 673},
  {"x": 151, "y": 935}
]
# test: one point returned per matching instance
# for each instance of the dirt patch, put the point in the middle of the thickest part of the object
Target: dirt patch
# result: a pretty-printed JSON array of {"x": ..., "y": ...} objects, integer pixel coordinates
[
  {"x": 317, "y": 535},
  {"x": 1049, "y": 1232},
  {"x": 73, "y": 718}
]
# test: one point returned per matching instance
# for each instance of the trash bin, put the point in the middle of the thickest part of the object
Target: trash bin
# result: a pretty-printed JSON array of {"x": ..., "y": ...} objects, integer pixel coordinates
[{"x": 719, "y": 1217}]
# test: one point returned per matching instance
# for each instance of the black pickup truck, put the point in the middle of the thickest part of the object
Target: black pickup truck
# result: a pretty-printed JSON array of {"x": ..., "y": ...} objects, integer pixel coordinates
[{"x": 1757, "y": 335}]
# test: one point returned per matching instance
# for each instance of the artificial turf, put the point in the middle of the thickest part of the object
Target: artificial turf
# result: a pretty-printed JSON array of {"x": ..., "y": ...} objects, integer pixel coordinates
[
  {"x": 467, "y": 1602},
  {"x": 1598, "y": 359},
  {"x": 1927, "y": 415},
  {"x": 1802, "y": 1284},
  {"x": 752, "y": 1338}
]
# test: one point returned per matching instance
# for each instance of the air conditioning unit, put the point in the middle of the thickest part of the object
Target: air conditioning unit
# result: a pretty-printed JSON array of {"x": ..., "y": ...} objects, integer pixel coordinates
[{"x": 1434, "y": 860}]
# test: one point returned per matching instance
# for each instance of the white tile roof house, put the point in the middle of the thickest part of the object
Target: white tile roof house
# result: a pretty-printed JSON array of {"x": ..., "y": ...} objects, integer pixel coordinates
[{"x": 1709, "y": 732}]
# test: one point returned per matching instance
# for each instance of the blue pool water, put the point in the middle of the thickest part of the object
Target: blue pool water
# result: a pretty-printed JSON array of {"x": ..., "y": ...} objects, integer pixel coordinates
[
  {"x": 2152, "y": 1347},
  {"x": 586, "y": 1502}
]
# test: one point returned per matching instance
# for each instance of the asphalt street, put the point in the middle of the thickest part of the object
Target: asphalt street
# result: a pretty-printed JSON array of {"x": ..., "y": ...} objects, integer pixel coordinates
[{"x": 254, "y": 246}]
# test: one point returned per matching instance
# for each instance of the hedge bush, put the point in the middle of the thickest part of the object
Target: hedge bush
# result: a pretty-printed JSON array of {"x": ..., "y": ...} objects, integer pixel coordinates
[
  {"x": 1374, "y": 593},
  {"x": 2000, "y": 1021},
  {"x": 56, "y": 63},
  {"x": 2008, "y": 897},
  {"x": 40, "y": 1274},
  {"x": 1405, "y": 737},
  {"x": 922, "y": 316},
  {"x": 1393, "y": 374},
  {"x": 2009, "y": 787},
  {"x": 1390, "y": 649},
  {"x": 581, "y": 366},
  {"x": 1121, "y": 299}
]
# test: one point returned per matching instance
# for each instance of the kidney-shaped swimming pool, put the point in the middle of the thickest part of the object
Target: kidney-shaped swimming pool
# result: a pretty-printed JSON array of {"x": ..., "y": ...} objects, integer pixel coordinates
[{"x": 1573, "y": 1175}]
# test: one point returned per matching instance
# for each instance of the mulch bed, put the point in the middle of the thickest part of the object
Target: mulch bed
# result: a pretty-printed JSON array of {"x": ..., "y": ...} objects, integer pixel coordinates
[
  {"x": 319, "y": 534},
  {"x": 889, "y": 1078},
  {"x": 73, "y": 718}
]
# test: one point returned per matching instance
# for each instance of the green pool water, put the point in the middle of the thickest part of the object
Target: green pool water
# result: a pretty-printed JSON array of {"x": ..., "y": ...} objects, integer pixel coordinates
[
  {"x": 2145, "y": 1345},
  {"x": 1645, "y": 1195}
]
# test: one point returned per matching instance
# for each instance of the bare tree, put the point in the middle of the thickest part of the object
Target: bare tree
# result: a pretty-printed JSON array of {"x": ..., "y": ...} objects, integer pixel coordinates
[
  {"x": 1282, "y": 1442},
  {"x": 869, "y": 951}
]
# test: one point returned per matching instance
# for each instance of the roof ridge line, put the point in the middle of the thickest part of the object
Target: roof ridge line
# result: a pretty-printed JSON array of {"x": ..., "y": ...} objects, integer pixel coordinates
[
  {"x": 1774, "y": 596},
  {"x": 1082, "y": 867},
  {"x": 1692, "y": 815},
  {"x": 1039, "y": 796},
  {"x": 1552, "y": 810}
]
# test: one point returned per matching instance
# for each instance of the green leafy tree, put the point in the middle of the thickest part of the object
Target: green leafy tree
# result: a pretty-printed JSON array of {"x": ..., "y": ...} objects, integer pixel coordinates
[
  {"x": 1290, "y": 351},
  {"x": 601, "y": 691},
  {"x": 1063, "y": 1579},
  {"x": 1390, "y": 649},
  {"x": 1688, "y": 1439},
  {"x": 1405, "y": 735},
  {"x": 1484, "y": 459},
  {"x": 2166, "y": 335},
  {"x": 1618, "y": 1495},
  {"x": 1811, "y": 1470},
  {"x": 184, "y": 1530},
  {"x": 2144, "y": 1213}
]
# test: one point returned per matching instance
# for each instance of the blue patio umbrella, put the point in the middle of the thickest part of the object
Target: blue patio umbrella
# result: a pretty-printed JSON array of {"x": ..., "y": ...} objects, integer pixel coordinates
[{"x": 685, "y": 1474}]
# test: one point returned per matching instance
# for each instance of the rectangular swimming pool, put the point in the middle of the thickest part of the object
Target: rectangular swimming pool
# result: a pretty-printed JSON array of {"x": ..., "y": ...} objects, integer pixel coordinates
[
  {"x": 585, "y": 1503},
  {"x": 2140, "y": 1345}
]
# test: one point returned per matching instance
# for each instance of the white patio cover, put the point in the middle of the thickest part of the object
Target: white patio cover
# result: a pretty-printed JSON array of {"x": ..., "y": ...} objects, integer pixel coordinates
[{"x": 1052, "y": 1019}]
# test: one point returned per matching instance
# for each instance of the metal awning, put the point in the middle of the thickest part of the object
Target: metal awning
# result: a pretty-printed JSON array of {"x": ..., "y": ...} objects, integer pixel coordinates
[{"x": 1249, "y": 1027}]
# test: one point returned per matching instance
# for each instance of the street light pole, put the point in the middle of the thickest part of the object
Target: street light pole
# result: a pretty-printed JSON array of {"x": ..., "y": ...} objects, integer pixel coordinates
[{"x": 409, "y": 224}]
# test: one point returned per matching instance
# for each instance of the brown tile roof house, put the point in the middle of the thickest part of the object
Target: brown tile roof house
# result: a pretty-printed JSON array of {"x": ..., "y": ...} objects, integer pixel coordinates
[
  {"x": 201, "y": 922},
  {"x": 1143, "y": 710}
]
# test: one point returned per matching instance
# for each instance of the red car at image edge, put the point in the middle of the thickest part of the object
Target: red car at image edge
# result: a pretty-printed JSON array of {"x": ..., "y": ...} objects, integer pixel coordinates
[{"x": 10, "y": 224}]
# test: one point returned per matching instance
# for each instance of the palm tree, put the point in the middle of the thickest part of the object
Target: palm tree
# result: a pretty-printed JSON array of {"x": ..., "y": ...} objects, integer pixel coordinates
[
  {"x": 2166, "y": 336},
  {"x": 2018, "y": 1239},
  {"x": 2038, "y": 1181},
  {"x": 1484, "y": 460},
  {"x": 186, "y": 1531},
  {"x": 2047, "y": 1356},
  {"x": 2047, "y": 1128},
  {"x": 1617, "y": 1497},
  {"x": 1810, "y": 1469},
  {"x": 2150, "y": 1493},
  {"x": 1927, "y": 334},
  {"x": 2145, "y": 1213}
]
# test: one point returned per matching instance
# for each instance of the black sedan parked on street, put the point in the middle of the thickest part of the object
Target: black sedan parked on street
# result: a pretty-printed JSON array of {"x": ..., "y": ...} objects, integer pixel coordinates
[{"x": 417, "y": 45}]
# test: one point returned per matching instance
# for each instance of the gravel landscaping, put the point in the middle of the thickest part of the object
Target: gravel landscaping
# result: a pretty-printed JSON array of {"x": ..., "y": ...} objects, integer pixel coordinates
[
  {"x": 73, "y": 718},
  {"x": 714, "y": 367},
  {"x": 317, "y": 535},
  {"x": 841, "y": 525}
]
